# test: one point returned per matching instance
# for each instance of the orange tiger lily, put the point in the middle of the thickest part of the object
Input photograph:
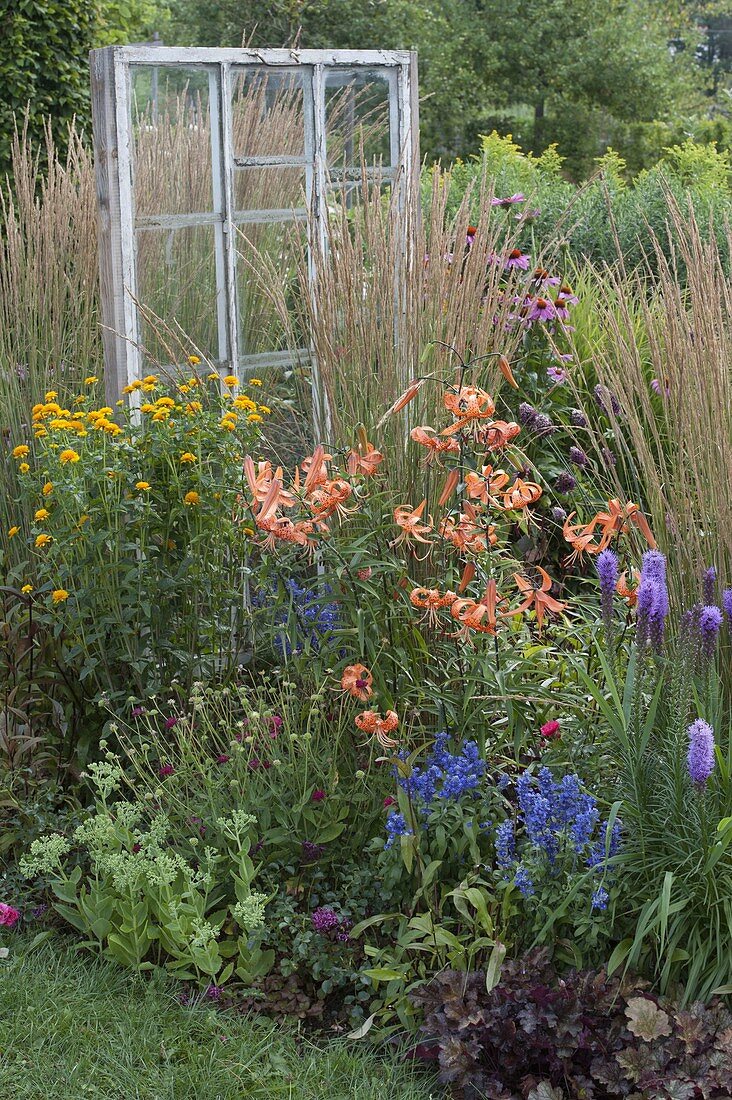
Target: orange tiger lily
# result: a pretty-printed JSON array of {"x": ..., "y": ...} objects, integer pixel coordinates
[
  {"x": 436, "y": 447},
  {"x": 478, "y": 615},
  {"x": 409, "y": 520},
  {"x": 372, "y": 723},
  {"x": 468, "y": 405},
  {"x": 486, "y": 484},
  {"x": 615, "y": 522},
  {"x": 538, "y": 598},
  {"x": 467, "y": 534},
  {"x": 357, "y": 681},
  {"x": 627, "y": 587},
  {"x": 430, "y": 601},
  {"x": 580, "y": 537},
  {"x": 498, "y": 434},
  {"x": 521, "y": 494}
]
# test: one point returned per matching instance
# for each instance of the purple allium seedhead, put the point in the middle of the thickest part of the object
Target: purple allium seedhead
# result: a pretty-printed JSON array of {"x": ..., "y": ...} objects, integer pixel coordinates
[
  {"x": 543, "y": 425},
  {"x": 701, "y": 752},
  {"x": 578, "y": 457},
  {"x": 607, "y": 400},
  {"x": 311, "y": 853},
  {"x": 565, "y": 482},
  {"x": 607, "y": 571},
  {"x": 709, "y": 584},
  {"x": 710, "y": 622},
  {"x": 577, "y": 418},
  {"x": 558, "y": 514},
  {"x": 527, "y": 414},
  {"x": 609, "y": 456}
]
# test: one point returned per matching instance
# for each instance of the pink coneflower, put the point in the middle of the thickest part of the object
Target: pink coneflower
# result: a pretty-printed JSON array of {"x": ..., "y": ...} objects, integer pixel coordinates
[
  {"x": 557, "y": 375},
  {"x": 541, "y": 309},
  {"x": 512, "y": 200},
  {"x": 166, "y": 769},
  {"x": 8, "y": 915},
  {"x": 657, "y": 388},
  {"x": 318, "y": 795},
  {"x": 222, "y": 758},
  {"x": 516, "y": 259},
  {"x": 550, "y": 730}
]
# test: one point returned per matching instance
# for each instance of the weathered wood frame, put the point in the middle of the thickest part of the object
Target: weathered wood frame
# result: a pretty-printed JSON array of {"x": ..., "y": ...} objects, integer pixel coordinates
[{"x": 111, "y": 115}]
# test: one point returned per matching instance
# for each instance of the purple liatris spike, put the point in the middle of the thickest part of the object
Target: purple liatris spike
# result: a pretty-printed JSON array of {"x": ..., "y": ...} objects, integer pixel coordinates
[
  {"x": 710, "y": 621},
  {"x": 709, "y": 583},
  {"x": 652, "y": 600},
  {"x": 607, "y": 571},
  {"x": 727, "y": 606},
  {"x": 701, "y": 752}
]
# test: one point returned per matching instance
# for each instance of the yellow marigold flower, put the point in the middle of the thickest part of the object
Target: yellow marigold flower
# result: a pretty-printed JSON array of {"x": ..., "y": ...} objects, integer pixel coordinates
[
  {"x": 69, "y": 455},
  {"x": 147, "y": 408},
  {"x": 42, "y": 513},
  {"x": 106, "y": 411},
  {"x": 214, "y": 378},
  {"x": 23, "y": 468},
  {"x": 43, "y": 540},
  {"x": 80, "y": 399},
  {"x": 191, "y": 498},
  {"x": 249, "y": 532},
  {"x": 194, "y": 407},
  {"x": 184, "y": 388},
  {"x": 21, "y": 451},
  {"x": 59, "y": 424},
  {"x": 254, "y": 418},
  {"x": 265, "y": 409},
  {"x": 165, "y": 403},
  {"x": 244, "y": 402},
  {"x": 59, "y": 595},
  {"x": 51, "y": 395},
  {"x": 194, "y": 381},
  {"x": 132, "y": 387},
  {"x": 47, "y": 488},
  {"x": 119, "y": 404},
  {"x": 147, "y": 387},
  {"x": 91, "y": 380},
  {"x": 26, "y": 589},
  {"x": 255, "y": 381},
  {"x": 150, "y": 380},
  {"x": 188, "y": 457},
  {"x": 161, "y": 414},
  {"x": 40, "y": 432},
  {"x": 231, "y": 380},
  {"x": 194, "y": 360},
  {"x": 228, "y": 425},
  {"x": 142, "y": 485},
  {"x": 13, "y": 531},
  {"x": 37, "y": 409}
]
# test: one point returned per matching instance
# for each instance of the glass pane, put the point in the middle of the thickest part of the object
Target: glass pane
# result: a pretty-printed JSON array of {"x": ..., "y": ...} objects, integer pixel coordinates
[
  {"x": 267, "y": 113},
  {"x": 176, "y": 280},
  {"x": 171, "y": 135},
  {"x": 269, "y": 188},
  {"x": 288, "y": 432},
  {"x": 357, "y": 117},
  {"x": 271, "y": 262}
]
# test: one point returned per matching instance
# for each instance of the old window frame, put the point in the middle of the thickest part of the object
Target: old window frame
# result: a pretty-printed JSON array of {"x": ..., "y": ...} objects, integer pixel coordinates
[{"x": 111, "y": 70}]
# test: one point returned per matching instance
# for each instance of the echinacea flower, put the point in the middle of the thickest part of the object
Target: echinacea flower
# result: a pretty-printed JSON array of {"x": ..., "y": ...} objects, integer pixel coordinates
[
  {"x": 700, "y": 757},
  {"x": 372, "y": 723},
  {"x": 357, "y": 681},
  {"x": 516, "y": 260},
  {"x": 512, "y": 200},
  {"x": 557, "y": 375}
]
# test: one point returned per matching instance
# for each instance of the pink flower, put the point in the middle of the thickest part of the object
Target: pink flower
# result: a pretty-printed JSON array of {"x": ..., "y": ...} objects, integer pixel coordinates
[
  {"x": 505, "y": 204},
  {"x": 167, "y": 769},
  {"x": 365, "y": 574},
  {"x": 318, "y": 795},
  {"x": 170, "y": 722},
  {"x": 516, "y": 259},
  {"x": 275, "y": 725},
  {"x": 557, "y": 375},
  {"x": 541, "y": 309},
  {"x": 389, "y": 801},
  {"x": 222, "y": 758},
  {"x": 8, "y": 915},
  {"x": 550, "y": 730}
]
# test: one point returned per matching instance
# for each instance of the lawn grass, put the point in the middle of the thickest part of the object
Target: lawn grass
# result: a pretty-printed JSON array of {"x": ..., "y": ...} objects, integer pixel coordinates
[{"x": 75, "y": 1027}]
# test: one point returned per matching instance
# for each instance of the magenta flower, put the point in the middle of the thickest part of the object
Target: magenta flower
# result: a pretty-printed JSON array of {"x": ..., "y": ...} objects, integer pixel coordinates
[
  {"x": 325, "y": 919},
  {"x": 170, "y": 722},
  {"x": 8, "y": 915},
  {"x": 550, "y": 730},
  {"x": 556, "y": 375},
  {"x": 318, "y": 795},
  {"x": 541, "y": 309},
  {"x": 516, "y": 259},
  {"x": 137, "y": 712},
  {"x": 389, "y": 801},
  {"x": 222, "y": 758},
  {"x": 512, "y": 200},
  {"x": 166, "y": 769},
  {"x": 275, "y": 723}
]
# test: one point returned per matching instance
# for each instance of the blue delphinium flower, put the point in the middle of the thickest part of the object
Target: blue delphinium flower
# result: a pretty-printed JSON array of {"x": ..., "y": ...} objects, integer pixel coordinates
[
  {"x": 505, "y": 845},
  {"x": 600, "y": 898},
  {"x": 314, "y": 615},
  {"x": 396, "y": 826},
  {"x": 522, "y": 881},
  {"x": 444, "y": 775}
]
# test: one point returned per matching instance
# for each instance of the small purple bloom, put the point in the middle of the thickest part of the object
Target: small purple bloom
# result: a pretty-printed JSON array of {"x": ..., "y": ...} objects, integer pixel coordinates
[
  {"x": 565, "y": 482},
  {"x": 710, "y": 622},
  {"x": 558, "y": 514},
  {"x": 165, "y": 770},
  {"x": 578, "y": 457},
  {"x": 600, "y": 898},
  {"x": 727, "y": 605},
  {"x": 607, "y": 571},
  {"x": 609, "y": 456},
  {"x": 137, "y": 712},
  {"x": 577, "y": 418},
  {"x": 213, "y": 992},
  {"x": 222, "y": 758},
  {"x": 170, "y": 722},
  {"x": 311, "y": 853},
  {"x": 541, "y": 309},
  {"x": 701, "y": 752},
  {"x": 709, "y": 584},
  {"x": 527, "y": 414},
  {"x": 324, "y": 919},
  {"x": 607, "y": 400},
  {"x": 516, "y": 260},
  {"x": 556, "y": 375},
  {"x": 512, "y": 200},
  {"x": 543, "y": 425}
]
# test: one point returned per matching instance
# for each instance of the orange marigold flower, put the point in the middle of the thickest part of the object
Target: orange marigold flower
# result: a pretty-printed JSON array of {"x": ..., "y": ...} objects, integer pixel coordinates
[
  {"x": 538, "y": 598},
  {"x": 372, "y": 723},
  {"x": 357, "y": 681}
]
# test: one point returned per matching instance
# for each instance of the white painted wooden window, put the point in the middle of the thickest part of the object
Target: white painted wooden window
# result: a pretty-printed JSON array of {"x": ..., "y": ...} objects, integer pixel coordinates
[{"x": 206, "y": 158}]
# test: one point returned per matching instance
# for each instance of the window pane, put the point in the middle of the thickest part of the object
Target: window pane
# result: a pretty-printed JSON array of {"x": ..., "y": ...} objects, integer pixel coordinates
[
  {"x": 176, "y": 280},
  {"x": 267, "y": 113},
  {"x": 269, "y": 188},
  {"x": 171, "y": 134},
  {"x": 270, "y": 260},
  {"x": 357, "y": 117}
]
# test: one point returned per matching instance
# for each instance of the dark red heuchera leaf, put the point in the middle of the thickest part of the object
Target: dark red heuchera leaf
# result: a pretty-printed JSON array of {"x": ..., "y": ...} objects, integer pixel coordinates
[{"x": 581, "y": 1033}]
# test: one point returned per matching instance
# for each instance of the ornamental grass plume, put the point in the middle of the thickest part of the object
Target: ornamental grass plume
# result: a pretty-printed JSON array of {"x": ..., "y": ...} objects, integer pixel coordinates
[{"x": 700, "y": 757}]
